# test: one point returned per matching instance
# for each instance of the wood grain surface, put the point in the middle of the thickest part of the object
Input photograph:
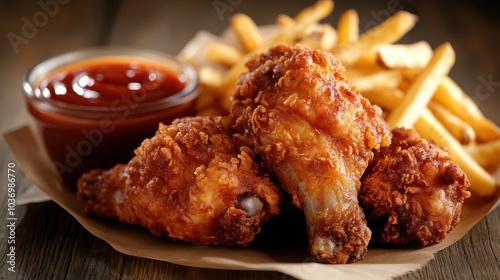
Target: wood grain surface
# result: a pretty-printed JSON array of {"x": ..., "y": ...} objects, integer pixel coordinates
[{"x": 51, "y": 244}]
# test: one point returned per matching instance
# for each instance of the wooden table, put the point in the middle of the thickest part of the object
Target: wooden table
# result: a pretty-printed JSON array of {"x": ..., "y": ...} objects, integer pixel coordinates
[{"x": 52, "y": 245}]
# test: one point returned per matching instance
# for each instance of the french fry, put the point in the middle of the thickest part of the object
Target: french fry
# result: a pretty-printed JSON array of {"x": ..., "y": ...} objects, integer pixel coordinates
[
  {"x": 385, "y": 79},
  {"x": 303, "y": 20},
  {"x": 231, "y": 78},
  {"x": 388, "y": 32},
  {"x": 367, "y": 60},
  {"x": 318, "y": 36},
  {"x": 348, "y": 27},
  {"x": 409, "y": 76},
  {"x": 316, "y": 12},
  {"x": 322, "y": 37},
  {"x": 461, "y": 130},
  {"x": 414, "y": 56},
  {"x": 247, "y": 31},
  {"x": 408, "y": 81},
  {"x": 486, "y": 154},
  {"x": 211, "y": 81},
  {"x": 422, "y": 89},
  {"x": 452, "y": 97},
  {"x": 223, "y": 54},
  {"x": 386, "y": 99},
  {"x": 328, "y": 37},
  {"x": 284, "y": 20},
  {"x": 210, "y": 77},
  {"x": 482, "y": 182}
]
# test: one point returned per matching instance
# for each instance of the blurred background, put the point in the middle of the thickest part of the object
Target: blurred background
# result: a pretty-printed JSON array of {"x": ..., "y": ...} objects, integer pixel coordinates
[{"x": 32, "y": 31}]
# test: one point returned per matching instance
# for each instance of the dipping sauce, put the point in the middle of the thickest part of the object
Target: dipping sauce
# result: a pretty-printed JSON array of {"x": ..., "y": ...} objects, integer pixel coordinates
[
  {"x": 103, "y": 82},
  {"x": 93, "y": 108}
]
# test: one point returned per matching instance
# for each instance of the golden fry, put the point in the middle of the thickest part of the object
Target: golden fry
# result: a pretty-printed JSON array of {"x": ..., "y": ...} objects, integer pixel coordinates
[
  {"x": 284, "y": 20},
  {"x": 380, "y": 80},
  {"x": 348, "y": 27},
  {"x": 414, "y": 56},
  {"x": 482, "y": 183},
  {"x": 323, "y": 37},
  {"x": 305, "y": 19},
  {"x": 367, "y": 60},
  {"x": 247, "y": 31},
  {"x": 388, "y": 32},
  {"x": 486, "y": 154},
  {"x": 231, "y": 78},
  {"x": 452, "y": 97},
  {"x": 408, "y": 81},
  {"x": 316, "y": 12},
  {"x": 210, "y": 77},
  {"x": 386, "y": 99},
  {"x": 211, "y": 81},
  {"x": 223, "y": 54},
  {"x": 422, "y": 89},
  {"x": 461, "y": 130},
  {"x": 328, "y": 37},
  {"x": 316, "y": 36}
]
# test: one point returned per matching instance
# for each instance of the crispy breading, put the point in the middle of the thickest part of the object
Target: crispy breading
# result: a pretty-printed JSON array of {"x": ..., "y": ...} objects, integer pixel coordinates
[
  {"x": 412, "y": 192},
  {"x": 315, "y": 133},
  {"x": 192, "y": 181}
]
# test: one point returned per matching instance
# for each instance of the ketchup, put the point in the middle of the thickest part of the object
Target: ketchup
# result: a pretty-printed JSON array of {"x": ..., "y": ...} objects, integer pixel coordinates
[
  {"x": 102, "y": 82},
  {"x": 94, "y": 112}
]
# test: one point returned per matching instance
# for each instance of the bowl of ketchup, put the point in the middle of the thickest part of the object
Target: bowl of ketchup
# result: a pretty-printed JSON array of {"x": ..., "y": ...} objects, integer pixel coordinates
[{"x": 93, "y": 107}]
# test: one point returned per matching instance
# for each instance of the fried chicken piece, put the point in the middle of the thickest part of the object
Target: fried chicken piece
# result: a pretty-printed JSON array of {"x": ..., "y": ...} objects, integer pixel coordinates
[
  {"x": 315, "y": 132},
  {"x": 192, "y": 181},
  {"x": 412, "y": 192}
]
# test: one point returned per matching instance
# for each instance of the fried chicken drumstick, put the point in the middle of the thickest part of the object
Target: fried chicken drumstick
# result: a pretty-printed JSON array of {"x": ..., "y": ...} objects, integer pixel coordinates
[
  {"x": 412, "y": 192},
  {"x": 315, "y": 133},
  {"x": 192, "y": 181}
]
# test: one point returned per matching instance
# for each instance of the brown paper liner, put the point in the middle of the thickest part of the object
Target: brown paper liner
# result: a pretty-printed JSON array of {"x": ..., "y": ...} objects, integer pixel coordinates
[{"x": 380, "y": 263}]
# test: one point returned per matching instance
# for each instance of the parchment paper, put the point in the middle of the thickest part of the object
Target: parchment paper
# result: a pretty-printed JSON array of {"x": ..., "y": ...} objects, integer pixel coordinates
[{"x": 380, "y": 263}]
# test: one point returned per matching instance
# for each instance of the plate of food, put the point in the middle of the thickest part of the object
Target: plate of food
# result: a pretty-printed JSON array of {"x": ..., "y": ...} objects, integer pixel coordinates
[{"x": 314, "y": 150}]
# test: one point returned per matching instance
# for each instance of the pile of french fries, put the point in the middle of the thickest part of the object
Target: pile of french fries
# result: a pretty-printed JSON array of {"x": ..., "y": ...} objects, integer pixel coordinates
[{"x": 409, "y": 82}]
